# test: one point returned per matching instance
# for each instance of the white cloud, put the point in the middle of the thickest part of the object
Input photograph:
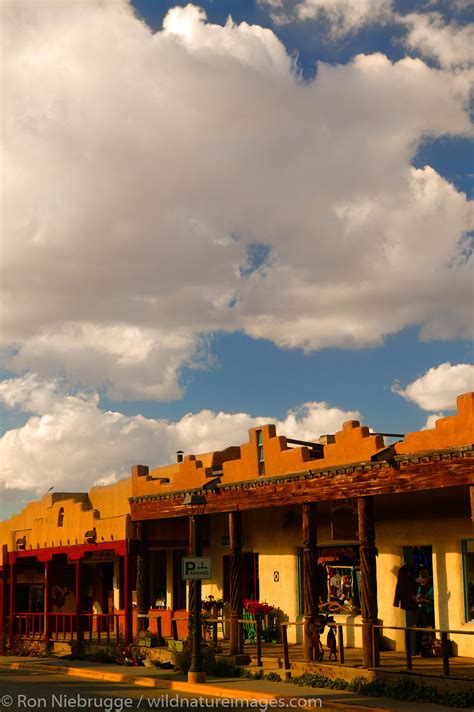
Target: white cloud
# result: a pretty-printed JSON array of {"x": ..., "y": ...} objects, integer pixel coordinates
[
  {"x": 427, "y": 33},
  {"x": 431, "y": 420},
  {"x": 71, "y": 443},
  {"x": 140, "y": 169},
  {"x": 342, "y": 16},
  {"x": 345, "y": 16},
  {"x": 134, "y": 362},
  {"x": 438, "y": 387},
  {"x": 451, "y": 44}
]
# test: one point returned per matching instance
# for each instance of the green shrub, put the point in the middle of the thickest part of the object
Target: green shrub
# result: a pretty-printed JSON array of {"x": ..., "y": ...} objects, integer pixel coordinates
[
  {"x": 25, "y": 648},
  {"x": 182, "y": 658},
  {"x": 222, "y": 668},
  {"x": 402, "y": 689}
]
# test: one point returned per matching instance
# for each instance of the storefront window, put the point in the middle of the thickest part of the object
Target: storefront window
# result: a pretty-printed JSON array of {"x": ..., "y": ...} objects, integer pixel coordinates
[
  {"x": 468, "y": 568},
  {"x": 338, "y": 576}
]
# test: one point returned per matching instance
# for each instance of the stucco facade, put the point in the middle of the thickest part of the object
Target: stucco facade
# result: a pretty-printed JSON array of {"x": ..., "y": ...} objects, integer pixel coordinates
[{"x": 421, "y": 487}]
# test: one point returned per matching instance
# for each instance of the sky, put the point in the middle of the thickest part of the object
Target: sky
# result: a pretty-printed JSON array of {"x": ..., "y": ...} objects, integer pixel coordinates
[{"x": 228, "y": 213}]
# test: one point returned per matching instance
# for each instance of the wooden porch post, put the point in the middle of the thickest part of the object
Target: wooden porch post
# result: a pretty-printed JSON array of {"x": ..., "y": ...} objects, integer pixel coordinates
[
  {"x": 79, "y": 629},
  {"x": 47, "y": 602},
  {"x": 368, "y": 572},
  {"x": 142, "y": 580},
  {"x": 127, "y": 596},
  {"x": 236, "y": 600},
  {"x": 2, "y": 603},
  {"x": 193, "y": 550},
  {"x": 12, "y": 599},
  {"x": 310, "y": 584}
]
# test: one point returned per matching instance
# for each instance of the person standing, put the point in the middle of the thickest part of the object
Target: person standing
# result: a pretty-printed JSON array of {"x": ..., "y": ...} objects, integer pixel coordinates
[{"x": 424, "y": 601}]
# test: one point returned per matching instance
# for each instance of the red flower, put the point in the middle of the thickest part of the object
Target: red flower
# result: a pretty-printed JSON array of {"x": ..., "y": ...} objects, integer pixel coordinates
[{"x": 256, "y": 608}]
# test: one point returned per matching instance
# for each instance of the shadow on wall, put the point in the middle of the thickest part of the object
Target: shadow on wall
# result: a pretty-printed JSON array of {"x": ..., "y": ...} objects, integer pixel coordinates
[{"x": 442, "y": 593}]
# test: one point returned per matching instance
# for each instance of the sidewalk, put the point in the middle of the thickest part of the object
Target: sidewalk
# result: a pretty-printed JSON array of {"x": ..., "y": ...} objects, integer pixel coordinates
[{"x": 236, "y": 688}]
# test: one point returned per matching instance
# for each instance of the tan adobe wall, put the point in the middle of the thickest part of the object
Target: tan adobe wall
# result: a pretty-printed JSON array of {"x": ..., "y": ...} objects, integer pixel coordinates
[
  {"x": 112, "y": 500},
  {"x": 105, "y": 508}
]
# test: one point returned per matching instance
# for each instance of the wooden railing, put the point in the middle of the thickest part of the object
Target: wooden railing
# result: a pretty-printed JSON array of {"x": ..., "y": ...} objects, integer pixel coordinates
[
  {"x": 213, "y": 622},
  {"x": 103, "y": 627},
  {"x": 100, "y": 627},
  {"x": 444, "y": 636},
  {"x": 68, "y": 627},
  {"x": 30, "y": 626},
  {"x": 376, "y": 631}
]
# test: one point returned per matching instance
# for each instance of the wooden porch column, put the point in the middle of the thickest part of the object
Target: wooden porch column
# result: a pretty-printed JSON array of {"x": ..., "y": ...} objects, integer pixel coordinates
[
  {"x": 368, "y": 572},
  {"x": 310, "y": 584},
  {"x": 142, "y": 580},
  {"x": 12, "y": 599},
  {"x": 236, "y": 600},
  {"x": 47, "y": 602},
  {"x": 127, "y": 596},
  {"x": 194, "y": 549},
  {"x": 3, "y": 608},
  {"x": 79, "y": 627}
]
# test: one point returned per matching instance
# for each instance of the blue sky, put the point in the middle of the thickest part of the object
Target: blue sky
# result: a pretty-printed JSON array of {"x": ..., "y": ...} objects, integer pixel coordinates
[
  {"x": 215, "y": 224},
  {"x": 278, "y": 379},
  {"x": 256, "y": 377}
]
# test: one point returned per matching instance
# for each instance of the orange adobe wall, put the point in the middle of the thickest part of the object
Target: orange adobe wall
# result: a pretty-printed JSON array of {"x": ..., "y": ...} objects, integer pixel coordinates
[
  {"x": 191, "y": 473},
  {"x": 453, "y": 431},
  {"x": 351, "y": 444}
]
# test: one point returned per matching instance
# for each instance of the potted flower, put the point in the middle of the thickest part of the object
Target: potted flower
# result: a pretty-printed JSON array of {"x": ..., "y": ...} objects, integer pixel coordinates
[
  {"x": 212, "y": 606},
  {"x": 263, "y": 610},
  {"x": 147, "y": 639}
]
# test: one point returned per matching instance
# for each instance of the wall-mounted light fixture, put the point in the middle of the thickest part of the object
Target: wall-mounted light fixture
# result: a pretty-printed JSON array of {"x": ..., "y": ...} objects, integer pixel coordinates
[{"x": 90, "y": 536}]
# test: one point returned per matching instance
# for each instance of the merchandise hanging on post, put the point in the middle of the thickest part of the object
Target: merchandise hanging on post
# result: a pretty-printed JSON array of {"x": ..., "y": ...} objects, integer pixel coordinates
[{"x": 405, "y": 590}]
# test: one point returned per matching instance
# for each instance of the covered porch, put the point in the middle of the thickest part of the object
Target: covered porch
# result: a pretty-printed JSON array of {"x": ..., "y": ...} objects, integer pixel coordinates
[
  {"x": 68, "y": 593},
  {"x": 308, "y": 493}
]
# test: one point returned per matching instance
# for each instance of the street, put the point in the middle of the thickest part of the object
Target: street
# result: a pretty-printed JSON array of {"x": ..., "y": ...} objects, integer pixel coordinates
[{"x": 21, "y": 690}]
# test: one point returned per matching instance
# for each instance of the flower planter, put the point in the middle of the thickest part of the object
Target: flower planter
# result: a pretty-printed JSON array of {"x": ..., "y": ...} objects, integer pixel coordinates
[
  {"x": 176, "y": 645},
  {"x": 148, "y": 644}
]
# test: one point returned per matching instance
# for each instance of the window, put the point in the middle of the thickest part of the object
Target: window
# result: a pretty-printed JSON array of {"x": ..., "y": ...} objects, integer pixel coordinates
[
  {"x": 338, "y": 579},
  {"x": 468, "y": 571},
  {"x": 158, "y": 581},
  {"x": 249, "y": 576},
  {"x": 179, "y": 586},
  {"x": 261, "y": 454},
  {"x": 61, "y": 517}
]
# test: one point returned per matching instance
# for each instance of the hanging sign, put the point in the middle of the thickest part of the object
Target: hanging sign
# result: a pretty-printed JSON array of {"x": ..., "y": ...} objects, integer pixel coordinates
[{"x": 197, "y": 568}]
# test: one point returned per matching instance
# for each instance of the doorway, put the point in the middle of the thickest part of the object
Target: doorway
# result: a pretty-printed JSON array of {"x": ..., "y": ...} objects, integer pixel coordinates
[
  {"x": 421, "y": 559},
  {"x": 249, "y": 577},
  {"x": 179, "y": 585}
]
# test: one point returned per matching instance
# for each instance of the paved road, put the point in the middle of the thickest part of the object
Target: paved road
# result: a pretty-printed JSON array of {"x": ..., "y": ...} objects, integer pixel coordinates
[
  {"x": 20, "y": 690},
  {"x": 35, "y": 690}
]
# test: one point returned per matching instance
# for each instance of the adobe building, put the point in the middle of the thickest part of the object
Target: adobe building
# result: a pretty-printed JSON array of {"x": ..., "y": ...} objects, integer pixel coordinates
[{"x": 329, "y": 525}]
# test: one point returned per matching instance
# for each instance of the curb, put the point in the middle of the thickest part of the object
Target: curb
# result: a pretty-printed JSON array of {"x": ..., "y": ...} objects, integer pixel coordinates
[{"x": 204, "y": 689}]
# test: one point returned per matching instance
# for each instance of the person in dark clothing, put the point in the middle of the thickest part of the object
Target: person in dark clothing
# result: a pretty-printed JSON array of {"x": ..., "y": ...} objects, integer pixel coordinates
[{"x": 424, "y": 614}]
